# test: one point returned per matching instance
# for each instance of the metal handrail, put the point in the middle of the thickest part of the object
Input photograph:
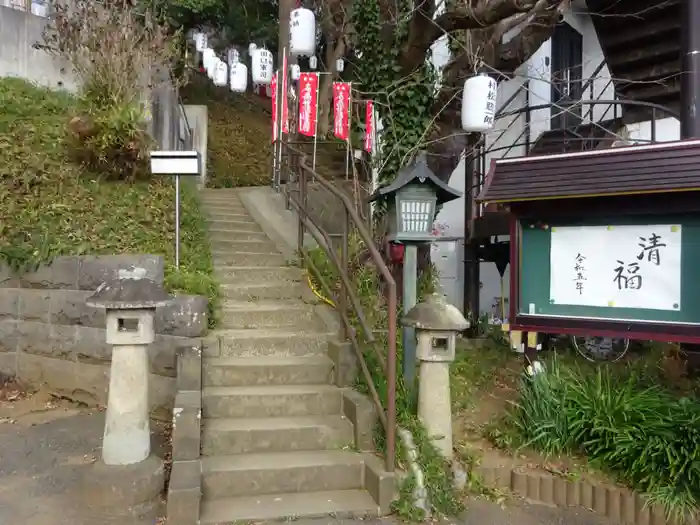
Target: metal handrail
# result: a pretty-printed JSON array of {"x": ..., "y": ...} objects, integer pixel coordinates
[
  {"x": 298, "y": 173},
  {"x": 639, "y": 103}
]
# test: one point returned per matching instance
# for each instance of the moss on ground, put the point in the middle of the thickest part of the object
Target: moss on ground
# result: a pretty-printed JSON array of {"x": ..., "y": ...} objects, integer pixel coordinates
[
  {"x": 49, "y": 206},
  {"x": 239, "y": 151}
]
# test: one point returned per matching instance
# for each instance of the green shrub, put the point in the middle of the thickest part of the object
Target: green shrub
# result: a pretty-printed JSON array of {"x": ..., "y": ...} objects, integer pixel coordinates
[
  {"x": 118, "y": 52},
  {"x": 50, "y": 206},
  {"x": 643, "y": 435}
]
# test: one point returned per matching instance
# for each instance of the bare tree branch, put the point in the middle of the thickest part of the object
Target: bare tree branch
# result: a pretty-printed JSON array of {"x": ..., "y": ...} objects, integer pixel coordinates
[{"x": 486, "y": 13}]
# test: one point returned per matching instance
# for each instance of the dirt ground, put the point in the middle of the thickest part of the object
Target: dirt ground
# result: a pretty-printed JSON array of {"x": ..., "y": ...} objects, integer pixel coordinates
[{"x": 47, "y": 445}]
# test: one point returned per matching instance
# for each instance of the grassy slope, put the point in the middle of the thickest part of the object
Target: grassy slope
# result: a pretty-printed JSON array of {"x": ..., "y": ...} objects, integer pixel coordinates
[
  {"x": 49, "y": 207},
  {"x": 239, "y": 150}
]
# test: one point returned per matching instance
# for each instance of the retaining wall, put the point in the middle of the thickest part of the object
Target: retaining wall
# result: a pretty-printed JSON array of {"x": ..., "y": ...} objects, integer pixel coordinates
[
  {"x": 19, "y": 31},
  {"x": 49, "y": 335}
]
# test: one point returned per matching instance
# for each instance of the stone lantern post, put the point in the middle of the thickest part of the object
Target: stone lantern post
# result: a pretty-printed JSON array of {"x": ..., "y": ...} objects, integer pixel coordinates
[
  {"x": 130, "y": 306},
  {"x": 129, "y": 477},
  {"x": 436, "y": 324}
]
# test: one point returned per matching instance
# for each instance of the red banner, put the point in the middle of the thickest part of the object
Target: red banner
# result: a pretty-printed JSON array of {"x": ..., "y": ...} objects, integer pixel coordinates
[
  {"x": 273, "y": 87},
  {"x": 308, "y": 103},
  {"x": 369, "y": 126},
  {"x": 285, "y": 89},
  {"x": 341, "y": 110}
]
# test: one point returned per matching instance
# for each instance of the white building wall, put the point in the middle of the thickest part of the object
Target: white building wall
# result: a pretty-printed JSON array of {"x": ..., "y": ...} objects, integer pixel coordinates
[
  {"x": 449, "y": 257},
  {"x": 667, "y": 129}
]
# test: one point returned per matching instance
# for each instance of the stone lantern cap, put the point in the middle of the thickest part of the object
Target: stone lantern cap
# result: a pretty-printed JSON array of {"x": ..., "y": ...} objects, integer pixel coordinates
[
  {"x": 129, "y": 294},
  {"x": 435, "y": 314}
]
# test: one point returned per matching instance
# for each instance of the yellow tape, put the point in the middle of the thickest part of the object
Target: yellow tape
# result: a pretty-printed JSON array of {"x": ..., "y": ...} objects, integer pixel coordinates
[{"x": 317, "y": 293}]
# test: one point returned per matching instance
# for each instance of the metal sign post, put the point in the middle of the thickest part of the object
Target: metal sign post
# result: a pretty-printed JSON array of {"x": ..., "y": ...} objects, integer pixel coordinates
[{"x": 176, "y": 163}]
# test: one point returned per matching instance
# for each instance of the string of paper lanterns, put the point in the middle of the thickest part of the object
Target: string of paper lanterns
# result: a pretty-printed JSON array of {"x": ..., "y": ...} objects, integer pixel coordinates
[{"x": 234, "y": 73}]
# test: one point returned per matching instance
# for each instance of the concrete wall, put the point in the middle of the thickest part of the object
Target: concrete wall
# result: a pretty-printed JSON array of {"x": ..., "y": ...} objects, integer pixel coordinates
[
  {"x": 198, "y": 121},
  {"x": 49, "y": 335},
  {"x": 19, "y": 31}
]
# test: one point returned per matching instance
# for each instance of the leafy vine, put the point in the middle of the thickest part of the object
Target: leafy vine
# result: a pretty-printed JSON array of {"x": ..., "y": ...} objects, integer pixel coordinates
[{"x": 403, "y": 101}]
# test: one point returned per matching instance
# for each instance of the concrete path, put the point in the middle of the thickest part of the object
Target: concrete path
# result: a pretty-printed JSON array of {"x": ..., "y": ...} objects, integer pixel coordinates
[{"x": 44, "y": 454}]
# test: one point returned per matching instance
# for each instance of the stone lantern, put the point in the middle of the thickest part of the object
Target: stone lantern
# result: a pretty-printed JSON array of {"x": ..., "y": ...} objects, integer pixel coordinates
[
  {"x": 413, "y": 200},
  {"x": 129, "y": 479},
  {"x": 437, "y": 324},
  {"x": 130, "y": 305}
]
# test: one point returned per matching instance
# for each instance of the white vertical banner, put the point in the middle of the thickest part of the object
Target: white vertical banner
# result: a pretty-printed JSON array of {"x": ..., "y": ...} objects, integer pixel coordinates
[{"x": 616, "y": 266}]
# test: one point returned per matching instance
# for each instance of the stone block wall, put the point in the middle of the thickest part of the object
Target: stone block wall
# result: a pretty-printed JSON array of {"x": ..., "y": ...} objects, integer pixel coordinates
[{"x": 48, "y": 335}]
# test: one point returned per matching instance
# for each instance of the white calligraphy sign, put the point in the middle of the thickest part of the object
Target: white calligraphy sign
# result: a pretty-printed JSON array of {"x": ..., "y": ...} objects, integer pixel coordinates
[{"x": 616, "y": 266}]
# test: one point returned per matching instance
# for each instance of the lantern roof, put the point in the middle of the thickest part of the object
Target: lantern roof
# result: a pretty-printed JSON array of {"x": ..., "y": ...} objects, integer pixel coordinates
[
  {"x": 435, "y": 313},
  {"x": 418, "y": 172},
  {"x": 130, "y": 293}
]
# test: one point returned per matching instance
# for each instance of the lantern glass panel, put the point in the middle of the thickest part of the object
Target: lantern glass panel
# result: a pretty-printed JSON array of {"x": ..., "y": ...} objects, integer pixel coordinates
[{"x": 415, "y": 215}]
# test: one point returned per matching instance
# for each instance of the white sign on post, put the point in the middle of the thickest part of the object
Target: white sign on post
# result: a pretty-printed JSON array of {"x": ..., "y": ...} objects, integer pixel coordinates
[
  {"x": 616, "y": 266},
  {"x": 175, "y": 163}
]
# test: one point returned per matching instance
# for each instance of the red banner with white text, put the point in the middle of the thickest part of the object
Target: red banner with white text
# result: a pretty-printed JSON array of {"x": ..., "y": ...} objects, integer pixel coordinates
[
  {"x": 341, "y": 110},
  {"x": 308, "y": 103},
  {"x": 273, "y": 87},
  {"x": 369, "y": 126}
]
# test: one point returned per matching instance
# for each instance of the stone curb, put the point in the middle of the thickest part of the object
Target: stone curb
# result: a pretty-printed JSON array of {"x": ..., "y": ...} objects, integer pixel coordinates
[
  {"x": 185, "y": 488},
  {"x": 619, "y": 504}
]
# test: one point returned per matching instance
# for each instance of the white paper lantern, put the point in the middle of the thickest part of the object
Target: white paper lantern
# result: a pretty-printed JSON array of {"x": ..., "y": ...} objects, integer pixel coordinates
[
  {"x": 232, "y": 56},
  {"x": 239, "y": 77},
  {"x": 221, "y": 74},
  {"x": 313, "y": 62},
  {"x": 208, "y": 57},
  {"x": 302, "y": 32},
  {"x": 212, "y": 68},
  {"x": 251, "y": 47},
  {"x": 201, "y": 42},
  {"x": 340, "y": 65},
  {"x": 479, "y": 103},
  {"x": 295, "y": 71},
  {"x": 261, "y": 64}
]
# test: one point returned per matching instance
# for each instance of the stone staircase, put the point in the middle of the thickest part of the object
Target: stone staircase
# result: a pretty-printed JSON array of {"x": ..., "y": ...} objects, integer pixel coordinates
[{"x": 278, "y": 439}]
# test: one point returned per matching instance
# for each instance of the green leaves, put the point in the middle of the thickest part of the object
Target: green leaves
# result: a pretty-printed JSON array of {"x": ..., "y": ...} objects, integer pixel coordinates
[
  {"x": 50, "y": 206},
  {"x": 647, "y": 437}
]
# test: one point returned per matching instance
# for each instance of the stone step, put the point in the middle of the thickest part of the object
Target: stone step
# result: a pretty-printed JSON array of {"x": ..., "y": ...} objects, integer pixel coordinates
[
  {"x": 337, "y": 503},
  {"x": 267, "y": 370},
  {"x": 270, "y": 401},
  {"x": 255, "y": 314},
  {"x": 223, "y": 205},
  {"x": 247, "y": 274},
  {"x": 224, "y": 226},
  {"x": 281, "y": 472},
  {"x": 266, "y": 342},
  {"x": 227, "y": 216},
  {"x": 248, "y": 258},
  {"x": 275, "y": 434},
  {"x": 238, "y": 235},
  {"x": 240, "y": 245},
  {"x": 256, "y": 291}
]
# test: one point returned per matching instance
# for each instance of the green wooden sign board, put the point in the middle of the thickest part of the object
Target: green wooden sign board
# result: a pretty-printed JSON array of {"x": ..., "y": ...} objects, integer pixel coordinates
[{"x": 644, "y": 269}]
